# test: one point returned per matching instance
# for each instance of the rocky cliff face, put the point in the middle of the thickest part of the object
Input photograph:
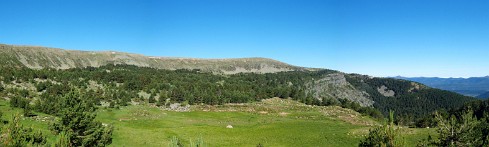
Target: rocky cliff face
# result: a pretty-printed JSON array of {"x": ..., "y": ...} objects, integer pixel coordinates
[{"x": 335, "y": 86}]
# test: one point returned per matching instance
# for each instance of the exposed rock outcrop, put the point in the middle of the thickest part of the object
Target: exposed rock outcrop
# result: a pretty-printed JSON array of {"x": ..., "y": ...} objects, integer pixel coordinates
[
  {"x": 335, "y": 86},
  {"x": 385, "y": 91}
]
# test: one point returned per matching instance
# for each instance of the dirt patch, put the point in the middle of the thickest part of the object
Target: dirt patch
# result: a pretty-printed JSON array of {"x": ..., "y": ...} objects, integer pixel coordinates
[{"x": 283, "y": 113}]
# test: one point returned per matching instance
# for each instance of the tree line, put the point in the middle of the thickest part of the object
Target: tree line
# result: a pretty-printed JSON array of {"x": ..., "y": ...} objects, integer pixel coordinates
[
  {"x": 464, "y": 126},
  {"x": 119, "y": 85}
]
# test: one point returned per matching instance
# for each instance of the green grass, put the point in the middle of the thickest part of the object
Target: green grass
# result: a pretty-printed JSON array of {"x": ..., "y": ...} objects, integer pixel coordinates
[
  {"x": 300, "y": 125},
  {"x": 9, "y": 112},
  {"x": 415, "y": 135},
  {"x": 248, "y": 129}
]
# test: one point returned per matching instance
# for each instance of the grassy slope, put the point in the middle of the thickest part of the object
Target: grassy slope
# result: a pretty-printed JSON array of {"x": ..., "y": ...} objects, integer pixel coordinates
[
  {"x": 278, "y": 123},
  {"x": 249, "y": 130}
]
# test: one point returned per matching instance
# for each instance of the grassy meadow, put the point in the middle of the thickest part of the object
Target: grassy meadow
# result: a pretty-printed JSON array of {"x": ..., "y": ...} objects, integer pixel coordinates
[{"x": 273, "y": 122}]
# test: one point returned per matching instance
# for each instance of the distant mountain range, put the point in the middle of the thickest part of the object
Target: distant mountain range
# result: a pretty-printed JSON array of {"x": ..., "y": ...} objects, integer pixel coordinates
[{"x": 474, "y": 86}]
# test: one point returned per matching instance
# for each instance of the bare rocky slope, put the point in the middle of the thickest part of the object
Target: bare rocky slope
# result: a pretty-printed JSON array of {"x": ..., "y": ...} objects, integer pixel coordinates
[
  {"x": 335, "y": 86},
  {"x": 43, "y": 57}
]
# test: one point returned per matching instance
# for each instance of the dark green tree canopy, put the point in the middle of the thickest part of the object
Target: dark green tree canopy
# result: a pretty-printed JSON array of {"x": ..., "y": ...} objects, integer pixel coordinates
[{"x": 77, "y": 120}]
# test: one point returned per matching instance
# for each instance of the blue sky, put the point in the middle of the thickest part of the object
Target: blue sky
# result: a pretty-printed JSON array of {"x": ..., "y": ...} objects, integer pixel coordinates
[{"x": 444, "y": 38}]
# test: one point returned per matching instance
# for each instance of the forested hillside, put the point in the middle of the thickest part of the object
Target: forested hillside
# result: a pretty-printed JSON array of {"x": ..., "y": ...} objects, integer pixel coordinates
[
  {"x": 42, "y": 76},
  {"x": 63, "y": 84},
  {"x": 473, "y": 86},
  {"x": 484, "y": 95},
  {"x": 408, "y": 99},
  {"x": 121, "y": 85}
]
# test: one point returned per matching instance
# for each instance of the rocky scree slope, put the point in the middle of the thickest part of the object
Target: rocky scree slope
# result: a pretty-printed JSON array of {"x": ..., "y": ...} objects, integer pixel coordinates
[{"x": 42, "y": 57}]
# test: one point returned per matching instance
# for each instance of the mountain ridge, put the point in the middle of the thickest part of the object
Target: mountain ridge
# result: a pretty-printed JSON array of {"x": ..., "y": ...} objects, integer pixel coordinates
[{"x": 37, "y": 57}]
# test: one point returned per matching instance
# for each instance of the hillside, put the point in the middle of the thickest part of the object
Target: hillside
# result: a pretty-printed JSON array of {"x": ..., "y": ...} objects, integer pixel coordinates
[
  {"x": 42, "y": 57},
  {"x": 122, "y": 85},
  {"x": 407, "y": 98},
  {"x": 484, "y": 95},
  {"x": 165, "y": 101},
  {"x": 132, "y": 74},
  {"x": 473, "y": 86}
]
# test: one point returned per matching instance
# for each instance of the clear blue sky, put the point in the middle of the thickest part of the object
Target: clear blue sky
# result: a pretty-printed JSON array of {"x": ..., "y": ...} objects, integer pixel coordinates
[{"x": 444, "y": 38}]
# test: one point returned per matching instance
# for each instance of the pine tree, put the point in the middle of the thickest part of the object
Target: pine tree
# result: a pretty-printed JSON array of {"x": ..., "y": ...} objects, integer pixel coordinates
[
  {"x": 27, "y": 110},
  {"x": 77, "y": 120},
  {"x": 17, "y": 135},
  {"x": 63, "y": 140},
  {"x": 151, "y": 99},
  {"x": 14, "y": 133},
  {"x": 459, "y": 131},
  {"x": 386, "y": 135},
  {"x": 162, "y": 98}
]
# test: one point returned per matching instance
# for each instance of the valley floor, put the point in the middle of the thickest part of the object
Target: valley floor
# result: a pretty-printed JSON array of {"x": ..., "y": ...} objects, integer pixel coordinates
[{"x": 273, "y": 122}]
